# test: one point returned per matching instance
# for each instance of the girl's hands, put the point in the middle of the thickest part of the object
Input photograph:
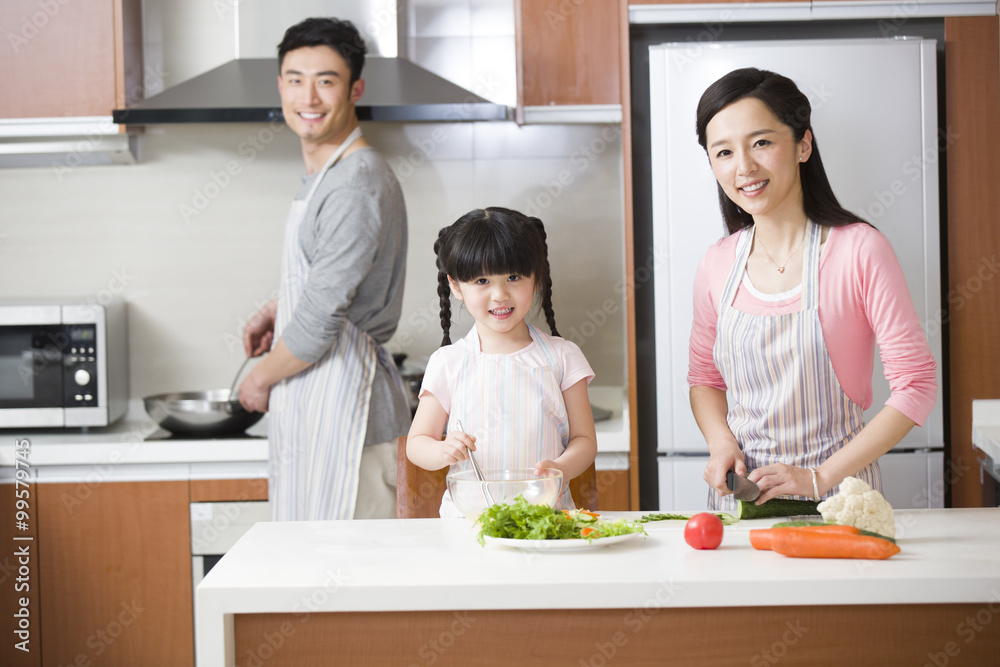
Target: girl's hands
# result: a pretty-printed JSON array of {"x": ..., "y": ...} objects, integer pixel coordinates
[
  {"x": 723, "y": 458},
  {"x": 455, "y": 446},
  {"x": 546, "y": 464}
]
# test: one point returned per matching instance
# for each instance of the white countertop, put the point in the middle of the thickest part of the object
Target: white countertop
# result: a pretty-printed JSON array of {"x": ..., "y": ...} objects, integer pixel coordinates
[
  {"x": 121, "y": 452},
  {"x": 948, "y": 556}
]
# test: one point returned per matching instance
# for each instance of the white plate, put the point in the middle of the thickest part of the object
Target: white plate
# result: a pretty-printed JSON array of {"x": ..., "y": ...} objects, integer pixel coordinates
[{"x": 560, "y": 545}]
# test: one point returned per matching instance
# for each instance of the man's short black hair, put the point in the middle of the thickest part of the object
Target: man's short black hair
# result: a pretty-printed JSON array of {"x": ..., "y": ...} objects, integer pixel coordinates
[{"x": 340, "y": 35}]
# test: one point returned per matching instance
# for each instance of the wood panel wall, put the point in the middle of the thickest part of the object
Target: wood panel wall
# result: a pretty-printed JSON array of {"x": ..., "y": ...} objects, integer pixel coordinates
[{"x": 972, "y": 147}]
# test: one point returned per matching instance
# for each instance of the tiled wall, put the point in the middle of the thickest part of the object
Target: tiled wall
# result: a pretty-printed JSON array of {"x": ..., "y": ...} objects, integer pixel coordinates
[{"x": 190, "y": 236}]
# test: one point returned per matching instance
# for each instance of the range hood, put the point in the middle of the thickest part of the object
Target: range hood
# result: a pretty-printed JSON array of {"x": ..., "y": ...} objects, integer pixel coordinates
[{"x": 246, "y": 91}]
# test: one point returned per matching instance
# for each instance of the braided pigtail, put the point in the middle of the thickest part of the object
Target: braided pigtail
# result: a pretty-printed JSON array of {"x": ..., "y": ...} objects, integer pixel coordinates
[
  {"x": 546, "y": 279},
  {"x": 443, "y": 290}
]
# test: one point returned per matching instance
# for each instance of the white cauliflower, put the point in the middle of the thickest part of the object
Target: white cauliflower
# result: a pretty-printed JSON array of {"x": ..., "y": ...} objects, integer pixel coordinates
[{"x": 857, "y": 504}]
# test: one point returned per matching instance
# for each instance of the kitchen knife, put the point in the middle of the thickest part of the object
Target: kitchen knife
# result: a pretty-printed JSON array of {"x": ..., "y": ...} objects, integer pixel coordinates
[{"x": 742, "y": 488}]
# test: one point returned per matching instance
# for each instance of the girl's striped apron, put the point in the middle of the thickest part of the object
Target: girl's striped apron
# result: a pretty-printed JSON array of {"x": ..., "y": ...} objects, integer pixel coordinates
[
  {"x": 516, "y": 412},
  {"x": 319, "y": 417},
  {"x": 787, "y": 405}
]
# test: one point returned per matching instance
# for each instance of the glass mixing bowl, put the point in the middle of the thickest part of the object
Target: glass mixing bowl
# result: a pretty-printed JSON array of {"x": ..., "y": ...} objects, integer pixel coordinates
[{"x": 502, "y": 486}]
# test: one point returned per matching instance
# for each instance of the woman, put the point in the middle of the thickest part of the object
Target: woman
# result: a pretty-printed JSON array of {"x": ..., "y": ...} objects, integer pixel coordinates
[{"x": 789, "y": 306}]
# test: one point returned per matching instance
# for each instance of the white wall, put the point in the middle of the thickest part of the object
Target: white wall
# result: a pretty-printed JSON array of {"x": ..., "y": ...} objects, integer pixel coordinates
[{"x": 194, "y": 248}]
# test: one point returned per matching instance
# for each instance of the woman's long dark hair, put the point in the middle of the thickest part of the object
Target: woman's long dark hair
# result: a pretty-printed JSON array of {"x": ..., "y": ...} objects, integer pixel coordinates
[
  {"x": 488, "y": 242},
  {"x": 790, "y": 106}
]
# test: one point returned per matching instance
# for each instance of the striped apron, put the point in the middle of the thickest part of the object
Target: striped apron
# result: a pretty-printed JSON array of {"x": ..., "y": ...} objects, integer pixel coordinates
[
  {"x": 516, "y": 413},
  {"x": 319, "y": 417},
  {"x": 787, "y": 405}
]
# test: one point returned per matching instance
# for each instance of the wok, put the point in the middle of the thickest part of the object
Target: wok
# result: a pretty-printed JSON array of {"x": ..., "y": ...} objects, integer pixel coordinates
[{"x": 200, "y": 413}]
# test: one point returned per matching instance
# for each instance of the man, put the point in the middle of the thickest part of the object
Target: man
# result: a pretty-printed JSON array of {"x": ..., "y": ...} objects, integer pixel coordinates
[{"x": 336, "y": 400}]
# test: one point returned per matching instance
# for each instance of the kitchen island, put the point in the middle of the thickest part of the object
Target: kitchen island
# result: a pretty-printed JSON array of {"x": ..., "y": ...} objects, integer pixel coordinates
[{"x": 423, "y": 591}]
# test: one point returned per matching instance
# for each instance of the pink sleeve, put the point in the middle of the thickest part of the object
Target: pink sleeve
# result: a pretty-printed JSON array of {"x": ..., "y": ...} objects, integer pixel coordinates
[
  {"x": 701, "y": 364},
  {"x": 906, "y": 356}
]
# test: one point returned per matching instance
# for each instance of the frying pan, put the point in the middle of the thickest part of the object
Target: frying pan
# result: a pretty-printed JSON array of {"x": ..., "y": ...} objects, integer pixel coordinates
[
  {"x": 211, "y": 413},
  {"x": 204, "y": 413}
]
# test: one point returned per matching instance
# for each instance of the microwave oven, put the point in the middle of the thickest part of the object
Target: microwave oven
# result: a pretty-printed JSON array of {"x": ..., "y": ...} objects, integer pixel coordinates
[{"x": 63, "y": 363}]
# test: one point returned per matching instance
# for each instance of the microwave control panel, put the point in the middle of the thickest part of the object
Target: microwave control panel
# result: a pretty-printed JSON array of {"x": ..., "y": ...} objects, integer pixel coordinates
[{"x": 80, "y": 361}]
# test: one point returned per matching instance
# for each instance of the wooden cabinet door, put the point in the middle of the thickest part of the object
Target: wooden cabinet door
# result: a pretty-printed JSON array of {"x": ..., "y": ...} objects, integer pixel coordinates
[
  {"x": 115, "y": 574},
  {"x": 64, "y": 59},
  {"x": 568, "y": 52}
]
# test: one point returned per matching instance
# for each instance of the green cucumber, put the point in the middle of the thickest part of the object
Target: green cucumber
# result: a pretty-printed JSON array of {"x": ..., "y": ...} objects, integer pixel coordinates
[
  {"x": 727, "y": 519},
  {"x": 776, "y": 507},
  {"x": 799, "y": 524},
  {"x": 793, "y": 524}
]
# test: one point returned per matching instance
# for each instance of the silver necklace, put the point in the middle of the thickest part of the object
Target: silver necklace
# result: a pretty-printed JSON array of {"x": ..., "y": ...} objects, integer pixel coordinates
[{"x": 781, "y": 267}]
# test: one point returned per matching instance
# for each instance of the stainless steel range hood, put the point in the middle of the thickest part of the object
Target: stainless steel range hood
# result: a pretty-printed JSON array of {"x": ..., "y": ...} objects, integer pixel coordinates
[{"x": 245, "y": 89}]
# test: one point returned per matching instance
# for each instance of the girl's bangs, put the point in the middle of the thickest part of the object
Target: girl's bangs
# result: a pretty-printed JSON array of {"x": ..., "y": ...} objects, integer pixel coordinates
[{"x": 489, "y": 253}]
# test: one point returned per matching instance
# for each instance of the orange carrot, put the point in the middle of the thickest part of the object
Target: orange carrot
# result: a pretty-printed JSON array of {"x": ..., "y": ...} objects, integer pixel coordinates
[
  {"x": 813, "y": 544},
  {"x": 761, "y": 538},
  {"x": 587, "y": 531}
]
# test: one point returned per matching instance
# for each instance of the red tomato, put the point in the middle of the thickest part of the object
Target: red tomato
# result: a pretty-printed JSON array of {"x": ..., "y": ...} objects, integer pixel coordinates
[{"x": 703, "y": 531}]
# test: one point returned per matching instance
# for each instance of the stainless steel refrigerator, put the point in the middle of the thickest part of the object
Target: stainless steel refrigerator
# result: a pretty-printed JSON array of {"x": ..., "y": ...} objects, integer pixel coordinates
[{"x": 875, "y": 120}]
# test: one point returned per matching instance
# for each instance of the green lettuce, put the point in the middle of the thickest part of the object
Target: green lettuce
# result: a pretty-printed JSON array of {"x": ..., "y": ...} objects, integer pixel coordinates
[{"x": 525, "y": 521}]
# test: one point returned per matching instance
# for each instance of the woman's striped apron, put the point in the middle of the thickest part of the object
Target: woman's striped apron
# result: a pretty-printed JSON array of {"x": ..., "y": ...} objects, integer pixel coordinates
[
  {"x": 516, "y": 412},
  {"x": 319, "y": 417},
  {"x": 787, "y": 405}
]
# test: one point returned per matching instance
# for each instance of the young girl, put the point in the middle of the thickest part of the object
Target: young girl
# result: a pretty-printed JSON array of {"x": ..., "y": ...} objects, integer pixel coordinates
[{"x": 519, "y": 394}]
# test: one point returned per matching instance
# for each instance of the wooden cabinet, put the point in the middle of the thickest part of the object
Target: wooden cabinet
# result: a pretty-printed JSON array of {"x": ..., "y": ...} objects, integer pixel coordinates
[
  {"x": 64, "y": 59},
  {"x": 613, "y": 490},
  {"x": 115, "y": 574},
  {"x": 568, "y": 53}
]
